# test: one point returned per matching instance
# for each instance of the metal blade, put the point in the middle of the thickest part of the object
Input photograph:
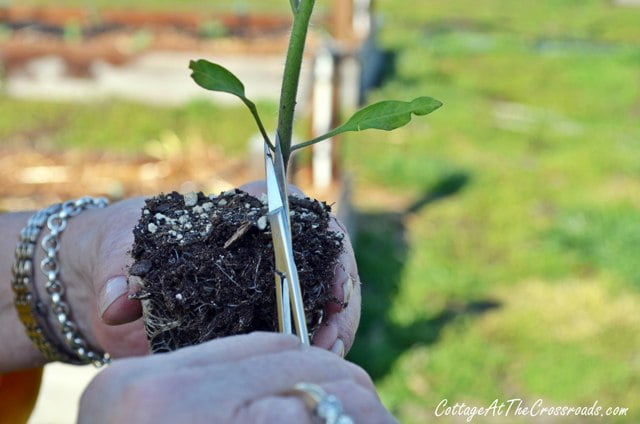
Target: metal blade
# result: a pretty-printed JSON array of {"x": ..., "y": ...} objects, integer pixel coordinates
[
  {"x": 274, "y": 194},
  {"x": 288, "y": 291},
  {"x": 281, "y": 177},
  {"x": 285, "y": 264},
  {"x": 283, "y": 304}
]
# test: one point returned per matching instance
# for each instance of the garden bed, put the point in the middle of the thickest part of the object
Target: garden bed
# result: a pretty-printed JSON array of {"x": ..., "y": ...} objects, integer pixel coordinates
[
  {"x": 61, "y": 53},
  {"x": 117, "y": 36}
]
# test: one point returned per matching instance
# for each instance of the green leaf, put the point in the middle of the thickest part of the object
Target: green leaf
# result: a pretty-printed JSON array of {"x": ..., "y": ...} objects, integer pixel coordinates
[
  {"x": 389, "y": 115},
  {"x": 386, "y": 115},
  {"x": 214, "y": 77}
]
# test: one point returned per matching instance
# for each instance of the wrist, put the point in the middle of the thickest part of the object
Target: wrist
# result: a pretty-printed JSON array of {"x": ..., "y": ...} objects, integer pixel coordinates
[
  {"x": 48, "y": 316},
  {"x": 17, "y": 351},
  {"x": 79, "y": 250},
  {"x": 63, "y": 281},
  {"x": 77, "y": 257}
]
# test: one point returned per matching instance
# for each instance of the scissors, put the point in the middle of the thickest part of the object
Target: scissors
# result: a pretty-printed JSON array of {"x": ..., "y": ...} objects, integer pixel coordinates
[{"x": 288, "y": 291}]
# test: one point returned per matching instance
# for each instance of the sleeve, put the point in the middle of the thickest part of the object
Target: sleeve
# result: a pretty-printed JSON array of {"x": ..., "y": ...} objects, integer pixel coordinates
[{"x": 18, "y": 395}]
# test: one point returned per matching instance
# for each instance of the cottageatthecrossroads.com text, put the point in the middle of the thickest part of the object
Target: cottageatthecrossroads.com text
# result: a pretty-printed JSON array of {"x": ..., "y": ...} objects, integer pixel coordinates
[{"x": 518, "y": 408}]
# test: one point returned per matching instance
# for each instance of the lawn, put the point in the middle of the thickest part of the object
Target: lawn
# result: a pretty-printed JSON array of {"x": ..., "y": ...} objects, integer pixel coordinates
[
  {"x": 520, "y": 277},
  {"x": 498, "y": 238},
  {"x": 123, "y": 127}
]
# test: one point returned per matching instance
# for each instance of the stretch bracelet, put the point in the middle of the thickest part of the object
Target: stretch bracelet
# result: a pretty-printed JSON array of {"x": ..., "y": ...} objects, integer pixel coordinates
[{"x": 72, "y": 348}]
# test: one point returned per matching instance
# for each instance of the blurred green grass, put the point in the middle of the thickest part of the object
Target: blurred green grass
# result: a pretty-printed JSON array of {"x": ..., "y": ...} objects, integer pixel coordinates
[
  {"x": 524, "y": 283},
  {"x": 516, "y": 273},
  {"x": 124, "y": 127}
]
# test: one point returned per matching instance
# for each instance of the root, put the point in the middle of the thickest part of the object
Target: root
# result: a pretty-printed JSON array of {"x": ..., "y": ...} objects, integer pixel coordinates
[
  {"x": 238, "y": 234},
  {"x": 155, "y": 325}
]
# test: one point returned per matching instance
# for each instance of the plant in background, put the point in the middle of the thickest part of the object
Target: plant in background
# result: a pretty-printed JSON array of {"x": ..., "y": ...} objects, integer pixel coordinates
[{"x": 205, "y": 262}]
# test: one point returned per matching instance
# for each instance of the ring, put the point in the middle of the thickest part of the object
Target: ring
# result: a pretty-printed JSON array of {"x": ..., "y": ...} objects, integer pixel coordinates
[{"x": 326, "y": 408}]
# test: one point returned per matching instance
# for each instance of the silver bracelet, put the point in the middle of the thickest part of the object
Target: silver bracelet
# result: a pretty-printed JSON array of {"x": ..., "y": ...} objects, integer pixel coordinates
[
  {"x": 33, "y": 313},
  {"x": 49, "y": 266}
]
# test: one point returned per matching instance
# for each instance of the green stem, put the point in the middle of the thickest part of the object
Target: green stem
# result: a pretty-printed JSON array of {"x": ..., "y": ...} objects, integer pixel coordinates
[
  {"x": 291, "y": 77},
  {"x": 256, "y": 116},
  {"x": 312, "y": 142}
]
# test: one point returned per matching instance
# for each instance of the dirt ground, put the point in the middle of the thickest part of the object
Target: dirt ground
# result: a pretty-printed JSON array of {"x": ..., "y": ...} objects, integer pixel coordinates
[{"x": 31, "y": 178}]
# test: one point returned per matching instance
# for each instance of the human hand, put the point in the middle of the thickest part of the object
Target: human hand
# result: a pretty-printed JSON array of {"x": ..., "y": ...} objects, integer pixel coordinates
[
  {"x": 238, "y": 379},
  {"x": 94, "y": 258},
  {"x": 110, "y": 320}
]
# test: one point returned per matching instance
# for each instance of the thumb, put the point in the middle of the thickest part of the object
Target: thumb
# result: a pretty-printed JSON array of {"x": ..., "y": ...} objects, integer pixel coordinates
[
  {"x": 112, "y": 288},
  {"x": 114, "y": 305}
]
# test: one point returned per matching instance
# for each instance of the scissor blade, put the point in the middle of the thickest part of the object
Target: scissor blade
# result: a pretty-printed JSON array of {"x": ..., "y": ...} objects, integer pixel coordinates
[
  {"x": 283, "y": 304},
  {"x": 281, "y": 177},
  {"x": 285, "y": 264},
  {"x": 287, "y": 281},
  {"x": 274, "y": 194}
]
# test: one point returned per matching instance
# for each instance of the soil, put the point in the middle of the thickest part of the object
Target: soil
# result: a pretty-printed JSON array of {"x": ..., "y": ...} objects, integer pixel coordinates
[{"x": 205, "y": 265}]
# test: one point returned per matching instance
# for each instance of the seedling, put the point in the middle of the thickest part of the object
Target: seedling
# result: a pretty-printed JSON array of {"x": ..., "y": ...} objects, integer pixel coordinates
[
  {"x": 385, "y": 115},
  {"x": 205, "y": 263}
]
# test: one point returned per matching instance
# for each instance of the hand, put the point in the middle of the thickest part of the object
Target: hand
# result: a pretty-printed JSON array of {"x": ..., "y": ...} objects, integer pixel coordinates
[
  {"x": 114, "y": 321},
  {"x": 95, "y": 250},
  {"x": 238, "y": 379},
  {"x": 341, "y": 324}
]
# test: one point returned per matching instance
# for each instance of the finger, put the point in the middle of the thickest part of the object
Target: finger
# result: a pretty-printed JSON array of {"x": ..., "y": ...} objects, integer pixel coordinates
[
  {"x": 346, "y": 271},
  {"x": 326, "y": 336},
  {"x": 361, "y": 403},
  {"x": 184, "y": 368},
  {"x": 226, "y": 350},
  {"x": 123, "y": 340},
  {"x": 243, "y": 381},
  {"x": 113, "y": 261},
  {"x": 264, "y": 356},
  {"x": 278, "y": 372},
  {"x": 343, "y": 319},
  {"x": 228, "y": 387},
  {"x": 347, "y": 321},
  {"x": 275, "y": 409},
  {"x": 338, "y": 333},
  {"x": 114, "y": 305}
]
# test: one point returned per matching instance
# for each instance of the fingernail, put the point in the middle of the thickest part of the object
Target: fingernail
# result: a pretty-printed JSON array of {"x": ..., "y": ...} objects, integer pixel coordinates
[
  {"x": 338, "y": 348},
  {"x": 134, "y": 284},
  {"x": 347, "y": 290},
  {"x": 113, "y": 290}
]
